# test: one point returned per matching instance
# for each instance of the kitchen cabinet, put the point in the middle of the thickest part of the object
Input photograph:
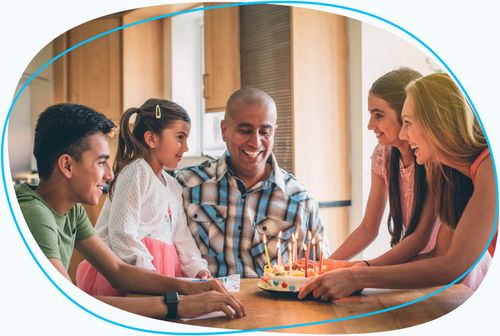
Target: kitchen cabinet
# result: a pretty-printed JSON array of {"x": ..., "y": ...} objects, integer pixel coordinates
[
  {"x": 91, "y": 74},
  {"x": 222, "y": 56}
]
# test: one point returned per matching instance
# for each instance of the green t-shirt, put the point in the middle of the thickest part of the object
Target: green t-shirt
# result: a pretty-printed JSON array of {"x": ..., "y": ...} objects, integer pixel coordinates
[{"x": 55, "y": 233}]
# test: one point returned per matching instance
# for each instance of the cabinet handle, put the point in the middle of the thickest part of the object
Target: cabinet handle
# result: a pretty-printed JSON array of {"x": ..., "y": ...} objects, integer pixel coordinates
[{"x": 205, "y": 86}]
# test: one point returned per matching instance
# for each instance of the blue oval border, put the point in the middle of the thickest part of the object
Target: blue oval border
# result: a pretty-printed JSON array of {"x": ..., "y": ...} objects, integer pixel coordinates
[{"x": 257, "y": 329}]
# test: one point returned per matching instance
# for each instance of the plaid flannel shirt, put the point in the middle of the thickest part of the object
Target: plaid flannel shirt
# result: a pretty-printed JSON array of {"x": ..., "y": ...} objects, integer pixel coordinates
[{"x": 228, "y": 222}]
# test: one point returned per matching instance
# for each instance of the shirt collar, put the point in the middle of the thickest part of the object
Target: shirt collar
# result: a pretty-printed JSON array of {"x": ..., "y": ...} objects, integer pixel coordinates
[{"x": 275, "y": 177}]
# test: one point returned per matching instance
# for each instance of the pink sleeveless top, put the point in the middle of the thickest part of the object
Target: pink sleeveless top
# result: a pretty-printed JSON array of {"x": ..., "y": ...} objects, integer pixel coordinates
[
  {"x": 380, "y": 166},
  {"x": 473, "y": 170}
]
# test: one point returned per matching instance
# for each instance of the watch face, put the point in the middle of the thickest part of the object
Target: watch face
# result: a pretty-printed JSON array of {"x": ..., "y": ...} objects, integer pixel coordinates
[{"x": 171, "y": 297}]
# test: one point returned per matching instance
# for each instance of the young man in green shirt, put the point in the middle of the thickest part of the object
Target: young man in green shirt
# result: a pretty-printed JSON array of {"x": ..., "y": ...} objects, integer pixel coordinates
[{"x": 72, "y": 153}]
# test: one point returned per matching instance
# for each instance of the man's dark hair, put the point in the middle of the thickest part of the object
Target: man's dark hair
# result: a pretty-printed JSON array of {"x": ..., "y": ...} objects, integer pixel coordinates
[{"x": 64, "y": 129}]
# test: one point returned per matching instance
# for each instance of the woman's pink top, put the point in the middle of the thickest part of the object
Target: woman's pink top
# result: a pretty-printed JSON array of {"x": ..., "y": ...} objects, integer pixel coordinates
[
  {"x": 380, "y": 166},
  {"x": 473, "y": 170}
]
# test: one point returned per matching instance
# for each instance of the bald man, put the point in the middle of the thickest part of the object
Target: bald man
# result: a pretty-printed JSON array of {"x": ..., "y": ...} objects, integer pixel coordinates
[{"x": 232, "y": 202}]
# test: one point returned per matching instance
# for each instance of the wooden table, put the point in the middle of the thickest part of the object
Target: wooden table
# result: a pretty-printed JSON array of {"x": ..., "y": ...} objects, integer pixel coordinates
[{"x": 265, "y": 310}]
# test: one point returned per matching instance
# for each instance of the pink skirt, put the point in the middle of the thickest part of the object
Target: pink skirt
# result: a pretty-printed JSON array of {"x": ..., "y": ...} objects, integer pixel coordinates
[{"x": 165, "y": 260}]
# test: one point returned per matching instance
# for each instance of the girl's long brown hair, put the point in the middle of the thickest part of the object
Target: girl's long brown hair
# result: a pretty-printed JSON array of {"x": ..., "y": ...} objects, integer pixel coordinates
[
  {"x": 154, "y": 115},
  {"x": 391, "y": 88}
]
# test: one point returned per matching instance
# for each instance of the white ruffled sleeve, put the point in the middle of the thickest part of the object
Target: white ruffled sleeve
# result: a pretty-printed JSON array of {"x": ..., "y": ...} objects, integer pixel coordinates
[
  {"x": 124, "y": 217},
  {"x": 189, "y": 254}
]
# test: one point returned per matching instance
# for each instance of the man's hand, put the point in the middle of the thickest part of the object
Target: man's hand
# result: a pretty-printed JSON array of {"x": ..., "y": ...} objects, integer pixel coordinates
[{"x": 199, "y": 304}]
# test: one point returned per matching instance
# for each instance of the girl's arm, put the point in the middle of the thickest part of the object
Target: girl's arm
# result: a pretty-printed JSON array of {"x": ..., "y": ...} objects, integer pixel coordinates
[
  {"x": 190, "y": 258},
  {"x": 443, "y": 242},
  {"x": 367, "y": 231},
  {"x": 410, "y": 246},
  {"x": 468, "y": 242}
]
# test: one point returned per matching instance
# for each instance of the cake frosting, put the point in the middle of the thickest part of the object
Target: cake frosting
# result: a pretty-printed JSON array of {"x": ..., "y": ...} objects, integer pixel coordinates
[{"x": 280, "y": 280}]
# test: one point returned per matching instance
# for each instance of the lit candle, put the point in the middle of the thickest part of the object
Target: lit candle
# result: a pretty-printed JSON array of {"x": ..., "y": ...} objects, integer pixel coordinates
[
  {"x": 290, "y": 258},
  {"x": 267, "y": 254},
  {"x": 308, "y": 244},
  {"x": 294, "y": 247},
  {"x": 307, "y": 259},
  {"x": 314, "y": 254},
  {"x": 278, "y": 252},
  {"x": 320, "y": 254}
]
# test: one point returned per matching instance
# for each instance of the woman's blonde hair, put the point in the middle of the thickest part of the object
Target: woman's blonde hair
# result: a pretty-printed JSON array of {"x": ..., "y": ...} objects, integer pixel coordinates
[{"x": 452, "y": 128}]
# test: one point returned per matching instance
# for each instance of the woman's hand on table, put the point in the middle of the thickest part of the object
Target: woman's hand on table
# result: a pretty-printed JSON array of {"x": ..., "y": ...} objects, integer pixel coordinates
[
  {"x": 331, "y": 285},
  {"x": 207, "y": 302}
]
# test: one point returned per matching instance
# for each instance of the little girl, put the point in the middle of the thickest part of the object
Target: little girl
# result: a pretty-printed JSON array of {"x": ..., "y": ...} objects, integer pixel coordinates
[{"x": 143, "y": 220}]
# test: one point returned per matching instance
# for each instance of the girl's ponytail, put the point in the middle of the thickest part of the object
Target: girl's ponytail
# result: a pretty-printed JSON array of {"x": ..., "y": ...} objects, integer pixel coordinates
[{"x": 129, "y": 148}]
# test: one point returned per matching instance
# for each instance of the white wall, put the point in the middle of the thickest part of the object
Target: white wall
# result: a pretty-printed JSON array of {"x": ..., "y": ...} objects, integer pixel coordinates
[
  {"x": 187, "y": 72},
  {"x": 374, "y": 52}
]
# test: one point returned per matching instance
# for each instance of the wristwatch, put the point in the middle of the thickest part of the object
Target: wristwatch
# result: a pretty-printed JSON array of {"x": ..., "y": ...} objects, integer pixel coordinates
[{"x": 171, "y": 299}]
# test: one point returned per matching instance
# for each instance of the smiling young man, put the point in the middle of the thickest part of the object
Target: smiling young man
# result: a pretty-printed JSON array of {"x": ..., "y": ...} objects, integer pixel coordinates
[
  {"x": 233, "y": 201},
  {"x": 71, "y": 149}
]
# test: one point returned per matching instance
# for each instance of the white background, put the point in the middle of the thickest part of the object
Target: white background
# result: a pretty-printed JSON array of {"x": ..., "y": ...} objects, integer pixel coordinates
[{"x": 463, "y": 34}]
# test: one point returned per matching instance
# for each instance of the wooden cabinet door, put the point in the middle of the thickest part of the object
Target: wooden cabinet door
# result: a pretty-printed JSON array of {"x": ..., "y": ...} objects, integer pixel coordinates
[
  {"x": 222, "y": 56},
  {"x": 94, "y": 69}
]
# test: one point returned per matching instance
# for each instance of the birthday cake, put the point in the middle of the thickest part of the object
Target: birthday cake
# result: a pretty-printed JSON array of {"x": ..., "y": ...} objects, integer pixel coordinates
[
  {"x": 292, "y": 276},
  {"x": 280, "y": 280}
]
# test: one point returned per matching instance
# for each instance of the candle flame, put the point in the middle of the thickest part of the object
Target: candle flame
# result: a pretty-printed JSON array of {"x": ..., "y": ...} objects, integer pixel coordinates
[
  {"x": 264, "y": 239},
  {"x": 309, "y": 235},
  {"x": 279, "y": 235},
  {"x": 313, "y": 241}
]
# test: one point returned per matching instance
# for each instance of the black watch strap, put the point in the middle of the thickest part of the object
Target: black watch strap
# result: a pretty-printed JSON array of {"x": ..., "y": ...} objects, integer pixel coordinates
[{"x": 171, "y": 299}]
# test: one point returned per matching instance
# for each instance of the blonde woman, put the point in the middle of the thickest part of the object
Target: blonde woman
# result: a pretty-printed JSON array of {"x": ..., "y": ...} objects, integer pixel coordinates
[{"x": 442, "y": 130}]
